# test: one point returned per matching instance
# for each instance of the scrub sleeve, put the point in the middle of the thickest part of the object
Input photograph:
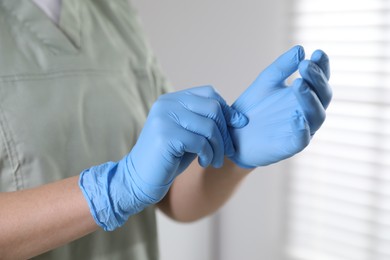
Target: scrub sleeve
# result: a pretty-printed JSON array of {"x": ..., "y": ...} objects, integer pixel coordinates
[{"x": 73, "y": 96}]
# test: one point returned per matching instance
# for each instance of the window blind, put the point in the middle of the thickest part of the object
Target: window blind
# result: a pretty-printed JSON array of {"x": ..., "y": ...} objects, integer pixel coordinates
[{"x": 339, "y": 188}]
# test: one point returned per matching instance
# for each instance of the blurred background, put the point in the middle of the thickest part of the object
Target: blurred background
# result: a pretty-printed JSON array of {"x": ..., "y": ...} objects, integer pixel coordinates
[{"x": 330, "y": 202}]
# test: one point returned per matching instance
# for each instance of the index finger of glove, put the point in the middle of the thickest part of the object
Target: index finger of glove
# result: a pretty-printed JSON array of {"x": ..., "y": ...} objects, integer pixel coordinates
[
  {"x": 207, "y": 128},
  {"x": 317, "y": 80},
  {"x": 209, "y": 108},
  {"x": 233, "y": 117},
  {"x": 283, "y": 66}
]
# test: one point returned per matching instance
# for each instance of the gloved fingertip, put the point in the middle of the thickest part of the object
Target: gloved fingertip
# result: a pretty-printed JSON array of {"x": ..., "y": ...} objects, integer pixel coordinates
[
  {"x": 308, "y": 68},
  {"x": 230, "y": 151},
  {"x": 201, "y": 163},
  {"x": 298, "y": 82},
  {"x": 218, "y": 165},
  {"x": 322, "y": 60},
  {"x": 238, "y": 120},
  {"x": 283, "y": 67},
  {"x": 204, "y": 161},
  {"x": 217, "y": 161},
  {"x": 300, "y": 52},
  {"x": 319, "y": 56}
]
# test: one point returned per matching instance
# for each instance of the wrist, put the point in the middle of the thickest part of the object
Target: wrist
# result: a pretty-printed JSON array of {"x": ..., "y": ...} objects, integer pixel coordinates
[
  {"x": 112, "y": 193},
  {"x": 148, "y": 193},
  {"x": 236, "y": 168}
]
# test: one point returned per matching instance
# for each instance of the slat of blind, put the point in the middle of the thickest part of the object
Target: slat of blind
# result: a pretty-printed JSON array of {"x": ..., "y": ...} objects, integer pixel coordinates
[
  {"x": 343, "y": 181},
  {"x": 340, "y": 186},
  {"x": 344, "y": 170},
  {"x": 340, "y": 210},
  {"x": 357, "y": 169},
  {"x": 373, "y": 49},
  {"x": 357, "y": 80},
  {"x": 361, "y": 95},
  {"x": 314, "y": 6},
  {"x": 370, "y": 65},
  {"x": 334, "y": 193},
  {"x": 362, "y": 18},
  {"x": 350, "y": 123},
  {"x": 355, "y": 226},
  {"x": 317, "y": 227},
  {"x": 321, "y": 254},
  {"x": 360, "y": 110},
  {"x": 371, "y": 35},
  {"x": 383, "y": 244},
  {"x": 334, "y": 244},
  {"x": 346, "y": 184},
  {"x": 350, "y": 153},
  {"x": 352, "y": 230},
  {"x": 356, "y": 139}
]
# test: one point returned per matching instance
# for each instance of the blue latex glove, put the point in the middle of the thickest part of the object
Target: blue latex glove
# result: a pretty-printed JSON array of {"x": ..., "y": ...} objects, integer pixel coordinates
[
  {"x": 179, "y": 127},
  {"x": 282, "y": 119}
]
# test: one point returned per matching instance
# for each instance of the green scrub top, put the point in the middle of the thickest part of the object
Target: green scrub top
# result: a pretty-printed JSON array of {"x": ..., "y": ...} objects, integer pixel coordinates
[{"x": 73, "y": 96}]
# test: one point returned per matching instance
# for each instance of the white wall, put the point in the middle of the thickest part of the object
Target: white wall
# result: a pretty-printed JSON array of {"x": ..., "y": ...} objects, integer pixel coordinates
[{"x": 226, "y": 44}]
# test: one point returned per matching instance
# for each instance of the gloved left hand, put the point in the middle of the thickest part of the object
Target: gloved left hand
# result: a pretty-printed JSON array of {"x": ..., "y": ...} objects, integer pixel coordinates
[{"x": 282, "y": 119}]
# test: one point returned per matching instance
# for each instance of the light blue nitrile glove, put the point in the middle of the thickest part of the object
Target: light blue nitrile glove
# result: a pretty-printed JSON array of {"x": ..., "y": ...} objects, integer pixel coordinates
[
  {"x": 282, "y": 119},
  {"x": 179, "y": 127}
]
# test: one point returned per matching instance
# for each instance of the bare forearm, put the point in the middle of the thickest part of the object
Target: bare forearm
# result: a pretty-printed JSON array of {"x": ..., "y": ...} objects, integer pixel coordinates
[
  {"x": 199, "y": 192},
  {"x": 37, "y": 220}
]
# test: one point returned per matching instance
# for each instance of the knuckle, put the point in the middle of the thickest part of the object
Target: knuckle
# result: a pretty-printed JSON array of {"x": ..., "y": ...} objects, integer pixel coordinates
[
  {"x": 164, "y": 96},
  {"x": 208, "y": 91},
  {"x": 215, "y": 107},
  {"x": 160, "y": 103},
  {"x": 158, "y": 122},
  {"x": 157, "y": 105}
]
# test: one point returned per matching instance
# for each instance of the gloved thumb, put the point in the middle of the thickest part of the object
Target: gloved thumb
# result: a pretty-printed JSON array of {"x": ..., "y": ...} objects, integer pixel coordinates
[
  {"x": 234, "y": 118},
  {"x": 283, "y": 66}
]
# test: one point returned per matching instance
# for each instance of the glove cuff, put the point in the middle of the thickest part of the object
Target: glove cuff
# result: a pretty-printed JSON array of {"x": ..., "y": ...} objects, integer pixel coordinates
[
  {"x": 114, "y": 192},
  {"x": 111, "y": 195}
]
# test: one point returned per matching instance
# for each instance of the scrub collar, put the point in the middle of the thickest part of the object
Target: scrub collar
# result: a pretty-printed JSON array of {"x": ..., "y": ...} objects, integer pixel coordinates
[
  {"x": 52, "y": 8},
  {"x": 62, "y": 39}
]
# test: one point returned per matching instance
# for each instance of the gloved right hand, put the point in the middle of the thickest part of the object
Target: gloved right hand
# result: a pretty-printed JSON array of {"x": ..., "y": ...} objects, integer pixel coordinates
[{"x": 179, "y": 127}]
